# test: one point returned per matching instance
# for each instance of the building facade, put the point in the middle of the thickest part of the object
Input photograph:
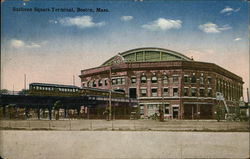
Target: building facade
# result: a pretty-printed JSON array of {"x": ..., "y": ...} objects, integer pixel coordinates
[{"x": 186, "y": 89}]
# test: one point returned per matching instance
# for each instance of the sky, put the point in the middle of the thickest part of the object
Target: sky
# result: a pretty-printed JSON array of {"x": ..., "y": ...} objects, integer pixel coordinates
[{"x": 51, "y": 45}]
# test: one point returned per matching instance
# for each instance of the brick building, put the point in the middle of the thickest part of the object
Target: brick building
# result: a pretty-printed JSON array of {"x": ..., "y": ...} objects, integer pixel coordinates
[{"x": 185, "y": 88}]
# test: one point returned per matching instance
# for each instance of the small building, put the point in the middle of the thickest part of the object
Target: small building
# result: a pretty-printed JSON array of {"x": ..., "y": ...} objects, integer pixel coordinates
[{"x": 159, "y": 77}]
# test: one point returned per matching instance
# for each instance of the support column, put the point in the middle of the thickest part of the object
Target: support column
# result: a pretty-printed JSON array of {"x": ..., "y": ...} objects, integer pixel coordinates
[
  {"x": 65, "y": 111},
  {"x": 78, "y": 112},
  {"x": 50, "y": 113},
  {"x": 38, "y": 112},
  {"x": 26, "y": 112},
  {"x": 4, "y": 111}
]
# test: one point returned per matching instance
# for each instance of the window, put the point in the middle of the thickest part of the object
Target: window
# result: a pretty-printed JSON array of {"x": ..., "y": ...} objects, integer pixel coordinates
[
  {"x": 167, "y": 108},
  {"x": 165, "y": 91},
  {"x": 141, "y": 109},
  {"x": 175, "y": 79},
  {"x": 100, "y": 83},
  {"x": 88, "y": 84},
  {"x": 123, "y": 80},
  {"x": 202, "y": 80},
  {"x": 165, "y": 79},
  {"x": 209, "y": 92},
  {"x": 154, "y": 92},
  {"x": 186, "y": 79},
  {"x": 119, "y": 81},
  {"x": 209, "y": 80},
  {"x": 93, "y": 84},
  {"x": 185, "y": 93},
  {"x": 105, "y": 82},
  {"x": 83, "y": 84},
  {"x": 143, "y": 79},
  {"x": 193, "y": 79},
  {"x": 133, "y": 79},
  {"x": 154, "y": 79},
  {"x": 143, "y": 92},
  {"x": 175, "y": 91},
  {"x": 201, "y": 92},
  {"x": 193, "y": 92},
  {"x": 114, "y": 82}
]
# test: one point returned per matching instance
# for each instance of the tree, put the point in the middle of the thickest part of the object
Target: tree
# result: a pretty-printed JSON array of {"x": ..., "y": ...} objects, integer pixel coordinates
[
  {"x": 4, "y": 91},
  {"x": 23, "y": 92}
]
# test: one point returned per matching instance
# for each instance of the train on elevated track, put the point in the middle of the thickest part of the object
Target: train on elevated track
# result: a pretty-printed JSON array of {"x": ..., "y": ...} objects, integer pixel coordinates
[{"x": 46, "y": 89}]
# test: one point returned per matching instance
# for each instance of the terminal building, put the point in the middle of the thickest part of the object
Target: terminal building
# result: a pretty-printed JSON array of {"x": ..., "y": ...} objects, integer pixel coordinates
[{"x": 155, "y": 76}]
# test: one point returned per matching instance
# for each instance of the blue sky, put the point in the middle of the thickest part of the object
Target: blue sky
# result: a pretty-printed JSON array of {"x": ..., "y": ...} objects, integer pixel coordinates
[{"x": 52, "y": 47}]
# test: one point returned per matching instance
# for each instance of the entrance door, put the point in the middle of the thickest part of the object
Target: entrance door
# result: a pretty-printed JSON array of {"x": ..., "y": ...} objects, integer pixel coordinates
[
  {"x": 132, "y": 92},
  {"x": 175, "y": 112},
  {"x": 190, "y": 111}
]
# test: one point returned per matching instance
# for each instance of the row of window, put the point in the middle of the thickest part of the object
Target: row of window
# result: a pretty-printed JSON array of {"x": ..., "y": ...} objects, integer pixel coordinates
[
  {"x": 154, "y": 79},
  {"x": 53, "y": 89},
  {"x": 95, "y": 83},
  {"x": 186, "y": 92}
]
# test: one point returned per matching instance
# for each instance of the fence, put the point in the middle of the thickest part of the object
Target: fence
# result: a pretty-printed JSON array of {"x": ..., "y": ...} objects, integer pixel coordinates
[{"x": 126, "y": 125}]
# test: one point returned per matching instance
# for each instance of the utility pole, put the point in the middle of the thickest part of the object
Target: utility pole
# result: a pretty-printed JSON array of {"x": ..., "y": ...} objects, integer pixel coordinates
[
  {"x": 13, "y": 89},
  {"x": 110, "y": 93},
  {"x": 247, "y": 95},
  {"x": 73, "y": 80},
  {"x": 161, "y": 111},
  {"x": 24, "y": 81}
]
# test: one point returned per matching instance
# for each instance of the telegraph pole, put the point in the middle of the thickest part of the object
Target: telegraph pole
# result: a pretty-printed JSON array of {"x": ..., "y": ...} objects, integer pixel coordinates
[
  {"x": 110, "y": 93},
  {"x": 24, "y": 81},
  {"x": 73, "y": 80},
  {"x": 247, "y": 95}
]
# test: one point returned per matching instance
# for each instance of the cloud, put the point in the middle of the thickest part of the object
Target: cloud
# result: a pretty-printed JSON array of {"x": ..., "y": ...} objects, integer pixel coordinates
[
  {"x": 21, "y": 44},
  {"x": 53, "y": 21},
  {"x": 80, "y": 22},
  {"x": 126, "y": 18},
  {"x": 237, "y": 39},
  {"x": 228, "y": 10},
  {"x": 213, "y": 28},
  {"x": 163, "y": 24}
]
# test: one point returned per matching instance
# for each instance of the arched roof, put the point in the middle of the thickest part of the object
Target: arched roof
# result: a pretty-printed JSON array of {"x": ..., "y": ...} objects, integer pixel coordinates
[{"x": 148, "y": 54}]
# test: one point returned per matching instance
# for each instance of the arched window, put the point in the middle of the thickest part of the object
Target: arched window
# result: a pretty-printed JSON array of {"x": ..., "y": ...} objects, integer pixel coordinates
[
  {"x": 143, "y": 79},
  {"x": 100, "y": 83},
  {"x": 154, "y": 79},
  {"x": 93, "y": 84},
  {"x": 193, "y": 79},
  {"x": 165, "y": 79},
  {"x": 88, "y": 84}
]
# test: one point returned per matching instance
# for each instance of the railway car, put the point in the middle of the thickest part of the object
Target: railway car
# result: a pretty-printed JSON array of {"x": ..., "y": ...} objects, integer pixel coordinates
[{"x": 69, "y": 90}]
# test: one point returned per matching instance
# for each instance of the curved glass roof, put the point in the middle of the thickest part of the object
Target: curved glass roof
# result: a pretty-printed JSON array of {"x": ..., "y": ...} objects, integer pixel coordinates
[{"x": 147, "y": 55}]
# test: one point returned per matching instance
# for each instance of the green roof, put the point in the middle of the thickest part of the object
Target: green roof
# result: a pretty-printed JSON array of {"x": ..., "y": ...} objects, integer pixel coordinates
[{"x": 148, "y": 54}]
